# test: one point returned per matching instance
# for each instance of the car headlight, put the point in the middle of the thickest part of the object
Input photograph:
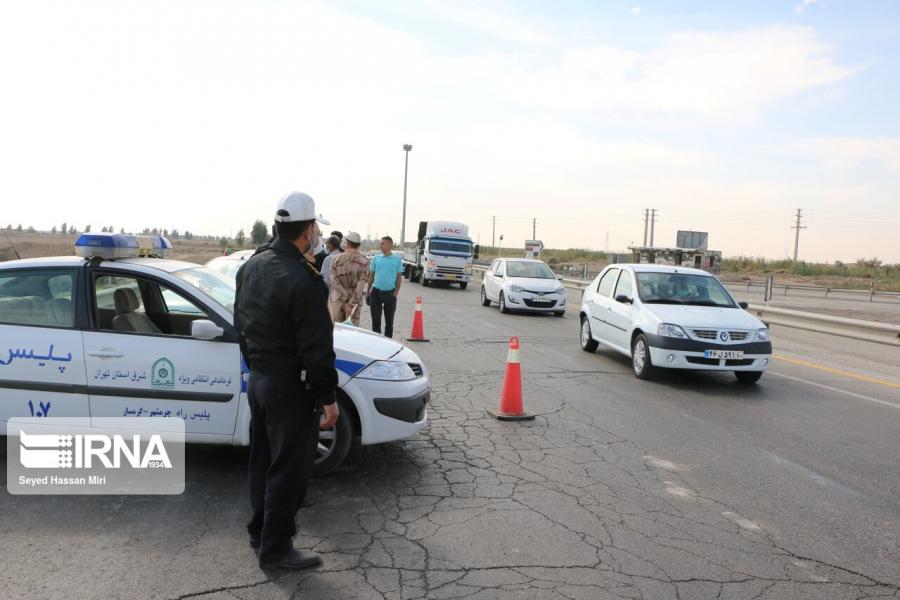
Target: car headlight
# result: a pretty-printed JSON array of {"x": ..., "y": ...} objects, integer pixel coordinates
[
  {"x": 468, "y": 269},
  {"x": 672, "y": 331},
  {"x": 388, "y": 370},
  {"x": 762, "y": 335},
  {"x": 560, "y": 290},
  {"x": 516, "y": 288}
]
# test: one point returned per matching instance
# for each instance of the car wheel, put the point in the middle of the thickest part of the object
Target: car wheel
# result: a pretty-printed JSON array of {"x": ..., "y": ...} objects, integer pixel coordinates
[
  {"x": 463, "y": 285},
  {"x": 334, "y": 443},
  {"x": 485, "y": 301},
  {"x": 640, "y": 358},
  {"x": 501, "y": 304},
  {"x": 748, "y": 376},
  {"x": 588, "y": 343}
]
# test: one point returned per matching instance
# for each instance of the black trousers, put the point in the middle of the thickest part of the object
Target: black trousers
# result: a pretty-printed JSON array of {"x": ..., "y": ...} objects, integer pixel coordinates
[
  {"x": 284, "y": 435},
  {"x": 386, "y": 301}
]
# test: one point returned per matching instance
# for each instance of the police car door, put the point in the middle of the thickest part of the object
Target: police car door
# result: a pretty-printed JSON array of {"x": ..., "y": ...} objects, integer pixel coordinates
[
  {"x": 41, "y": 357},
  {"x": 142, "y": 361}
]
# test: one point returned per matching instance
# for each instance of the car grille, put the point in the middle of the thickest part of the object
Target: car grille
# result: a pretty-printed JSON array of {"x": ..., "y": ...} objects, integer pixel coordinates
[
  {"x": 705, "y": 334},
  {"x": 540, "y": 303},
  {"x": 449, "y": 270},
  {"x": 416, "y": 368},
  {"x": 712, "y": 334}
]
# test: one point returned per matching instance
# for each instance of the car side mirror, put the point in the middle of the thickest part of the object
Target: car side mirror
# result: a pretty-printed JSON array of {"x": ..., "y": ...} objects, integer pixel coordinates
[
  {"x": 476, "y": 250},
  {"x": 624, "y": 299},
  {"x": 204, "y": 329},
  {"x": 743, "y": 304},
  {"x": 559, "y": 277}
]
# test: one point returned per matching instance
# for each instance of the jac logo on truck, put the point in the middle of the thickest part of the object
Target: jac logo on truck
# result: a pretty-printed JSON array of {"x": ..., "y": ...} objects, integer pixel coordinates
[{"x": 451, "y": 230}]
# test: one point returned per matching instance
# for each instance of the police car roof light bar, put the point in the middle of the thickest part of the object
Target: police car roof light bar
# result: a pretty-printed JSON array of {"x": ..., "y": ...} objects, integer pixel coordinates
[{"x": 110, "y": 246}]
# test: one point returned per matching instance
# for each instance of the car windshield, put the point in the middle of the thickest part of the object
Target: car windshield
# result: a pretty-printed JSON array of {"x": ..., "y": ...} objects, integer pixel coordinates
[
  {"x": 216, "y": 286},
  {"x": 682, "y": 288},
  {"x": 532, "y": 270},
  {"x": 226, "y": 267},
  {"x": 441, "y": 246}
]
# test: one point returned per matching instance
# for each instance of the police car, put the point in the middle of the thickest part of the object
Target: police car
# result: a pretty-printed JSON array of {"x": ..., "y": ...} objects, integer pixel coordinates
[
  {"x": 120, "y": 330},
  {"x": 673, "y": 317}
]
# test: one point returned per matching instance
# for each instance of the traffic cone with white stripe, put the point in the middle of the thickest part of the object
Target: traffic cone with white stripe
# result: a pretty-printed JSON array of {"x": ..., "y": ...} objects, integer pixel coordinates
[
  {"x": 511, "y": 408},
  {"x": 418, "y": 327}
]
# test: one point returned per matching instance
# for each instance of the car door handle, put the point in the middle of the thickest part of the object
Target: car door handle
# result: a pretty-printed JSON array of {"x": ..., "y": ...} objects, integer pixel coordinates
[{"x": 105, "y": 353}]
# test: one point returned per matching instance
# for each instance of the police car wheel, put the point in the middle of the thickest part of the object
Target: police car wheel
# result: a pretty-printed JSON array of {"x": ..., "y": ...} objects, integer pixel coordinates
[
  {"x": 484, "y": 299},
  {"x": 748, "y": 376},
  {"x": 588, "y": 343},
  {"x": 334, "y": 443},
  {"x": 640, "y": 358},
  {"x": 502, "y": 304}
]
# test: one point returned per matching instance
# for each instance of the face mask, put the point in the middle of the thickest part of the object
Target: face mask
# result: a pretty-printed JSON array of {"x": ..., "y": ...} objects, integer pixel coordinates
[{"x": 316, "y": 241}]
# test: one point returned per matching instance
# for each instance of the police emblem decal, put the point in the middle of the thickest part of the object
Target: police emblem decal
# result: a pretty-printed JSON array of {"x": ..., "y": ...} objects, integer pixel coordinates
[{"x": 162, "y": 374}]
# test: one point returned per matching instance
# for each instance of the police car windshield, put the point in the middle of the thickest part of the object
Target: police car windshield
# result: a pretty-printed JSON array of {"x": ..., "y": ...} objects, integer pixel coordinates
[
  {"x": 682, "y": 288},
  {"x": 216, "y": 286},
  {"x": 531, "y": 270}
]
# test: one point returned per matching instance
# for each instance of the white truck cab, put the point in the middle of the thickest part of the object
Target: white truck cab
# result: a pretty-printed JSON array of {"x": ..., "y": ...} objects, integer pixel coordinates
[{"x": 443, "y": 252}]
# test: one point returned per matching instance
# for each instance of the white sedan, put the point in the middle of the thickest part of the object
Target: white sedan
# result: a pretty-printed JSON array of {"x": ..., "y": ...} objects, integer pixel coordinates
[
  {"x": 523, "y": 284},
  {"x": 124, "y": 335},
  {"x": 673, "y": 317}
]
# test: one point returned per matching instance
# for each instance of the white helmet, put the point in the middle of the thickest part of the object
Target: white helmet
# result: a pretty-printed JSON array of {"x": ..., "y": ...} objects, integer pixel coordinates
[{"x": 298, "y": 206}]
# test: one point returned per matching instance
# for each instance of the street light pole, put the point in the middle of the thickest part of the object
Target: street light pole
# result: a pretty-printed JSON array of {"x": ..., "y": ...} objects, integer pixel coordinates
[{"x": 406, "y": 148}]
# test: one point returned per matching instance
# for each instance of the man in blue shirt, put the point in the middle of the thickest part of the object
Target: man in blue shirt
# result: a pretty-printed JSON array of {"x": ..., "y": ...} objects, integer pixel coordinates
[{"x": 385, "y": 275}]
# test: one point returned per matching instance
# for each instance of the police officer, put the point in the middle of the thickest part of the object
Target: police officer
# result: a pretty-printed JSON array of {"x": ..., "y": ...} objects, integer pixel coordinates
[{"x": 285, "y": 333}]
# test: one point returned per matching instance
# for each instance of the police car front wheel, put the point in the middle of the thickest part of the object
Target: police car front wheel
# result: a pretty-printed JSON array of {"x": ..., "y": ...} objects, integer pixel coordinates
[{"x": 334, "y": 443}]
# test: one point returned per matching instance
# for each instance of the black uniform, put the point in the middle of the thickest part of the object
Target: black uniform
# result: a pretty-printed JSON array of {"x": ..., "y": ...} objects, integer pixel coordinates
[{"x": 283, "y": 326}]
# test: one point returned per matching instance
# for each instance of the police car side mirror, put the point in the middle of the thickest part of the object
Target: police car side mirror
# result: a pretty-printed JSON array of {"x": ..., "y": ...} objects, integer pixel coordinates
[
  {"x": 744, "y": 305},
  {"x": 204, "y": 329}
]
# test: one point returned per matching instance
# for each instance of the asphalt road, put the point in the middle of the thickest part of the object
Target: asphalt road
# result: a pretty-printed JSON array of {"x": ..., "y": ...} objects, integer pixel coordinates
[{"x": 692, "y": 486}]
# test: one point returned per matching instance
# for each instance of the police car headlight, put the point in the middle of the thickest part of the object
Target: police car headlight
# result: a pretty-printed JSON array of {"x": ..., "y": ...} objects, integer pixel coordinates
[
  {"x": 672, "y": 331},
  {"x": 388, "y": 370},
  {"x": 762, "y": 335},
  {"x": 516, "y": 288}
]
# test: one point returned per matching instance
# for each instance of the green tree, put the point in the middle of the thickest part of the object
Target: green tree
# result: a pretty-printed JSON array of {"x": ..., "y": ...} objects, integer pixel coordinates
[
  {"x": 53, "y": 231},
  {"x": 259, "y": 234},
  {"x": 87, "y": 228},
  {"x": 223, "y": 241},
  {"x": 71, "y": 229},
  {"x": 64, "y": 229},
  {"x": 19, "y": 228},
  {"x": 240, "y": 238},
  {"x": 122, "y": 230},
  {"x": 30, "y": 229}
]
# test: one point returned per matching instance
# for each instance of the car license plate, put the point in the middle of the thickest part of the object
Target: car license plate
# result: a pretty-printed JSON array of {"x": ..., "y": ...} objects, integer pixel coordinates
[
  {"x": 726, "y": 354},
  {"x": 451, "y": 276}
]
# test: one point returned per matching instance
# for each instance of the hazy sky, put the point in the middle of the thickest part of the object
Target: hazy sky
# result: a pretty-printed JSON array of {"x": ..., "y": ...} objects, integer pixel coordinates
[{"x": 724, "y": 116}]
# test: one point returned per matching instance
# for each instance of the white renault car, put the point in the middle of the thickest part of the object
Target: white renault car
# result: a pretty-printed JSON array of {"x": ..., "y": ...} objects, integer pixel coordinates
[
  {"x": 673, "y": 317},
  {"x": 119, "y": 330},
  {"x": 523, "y": 284}
]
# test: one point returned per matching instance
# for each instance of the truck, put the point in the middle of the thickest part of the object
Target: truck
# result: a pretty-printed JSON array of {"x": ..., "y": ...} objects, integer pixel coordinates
[{"x": 443, "y": 252}]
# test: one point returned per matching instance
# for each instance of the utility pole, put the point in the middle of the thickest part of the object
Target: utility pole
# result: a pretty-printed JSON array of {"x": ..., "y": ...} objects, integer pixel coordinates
[
  {"x": 493, "y": 232},
  {"x": 406, "y": 149},
  {"x": 798, "y": 227},
  {"x": 646, "y": 215},
  {"x": 652, "y": 224},
  {"x": 534, "y": 229}
]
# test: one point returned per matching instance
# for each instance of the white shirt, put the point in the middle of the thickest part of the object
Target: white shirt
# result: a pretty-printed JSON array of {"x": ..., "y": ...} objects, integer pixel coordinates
[{"x": 326, "y": 265}]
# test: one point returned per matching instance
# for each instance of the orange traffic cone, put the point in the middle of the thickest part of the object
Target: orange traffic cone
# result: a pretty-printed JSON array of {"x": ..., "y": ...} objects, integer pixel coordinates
[
  {"x": 418, "y": 328},
  {"x": 511, "y": 397}
]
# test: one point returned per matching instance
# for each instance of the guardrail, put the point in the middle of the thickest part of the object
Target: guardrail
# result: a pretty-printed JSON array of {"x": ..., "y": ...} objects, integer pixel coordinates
[
  {"x": 870, "y": 293},
  {"x": 855, "y": 329}
]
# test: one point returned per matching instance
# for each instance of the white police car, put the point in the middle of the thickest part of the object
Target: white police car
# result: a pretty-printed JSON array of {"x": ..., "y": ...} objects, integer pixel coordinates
[
  {"x": 120, "y": 330},
  {"x": 673, "y": 317}
]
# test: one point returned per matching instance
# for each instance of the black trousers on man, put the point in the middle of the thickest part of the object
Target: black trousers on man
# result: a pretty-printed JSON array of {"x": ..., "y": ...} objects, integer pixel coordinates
[
  {"x": 387, "y": 301},
  {"x": 284, "y": 435}
]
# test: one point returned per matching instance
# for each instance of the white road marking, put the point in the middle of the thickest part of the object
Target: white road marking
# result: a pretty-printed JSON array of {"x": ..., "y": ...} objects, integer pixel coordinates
[
  {"x": 815, "y": 477},
  {"x": 741, "y": 522},
  {"x": 838, "y": 390},
  {"x": 662, "y": 463},
  {"x": 677, "y": 490}
]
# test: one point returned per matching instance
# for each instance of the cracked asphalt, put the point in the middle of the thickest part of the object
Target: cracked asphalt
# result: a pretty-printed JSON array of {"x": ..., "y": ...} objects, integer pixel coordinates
[{"x": 692, "y": 486}]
